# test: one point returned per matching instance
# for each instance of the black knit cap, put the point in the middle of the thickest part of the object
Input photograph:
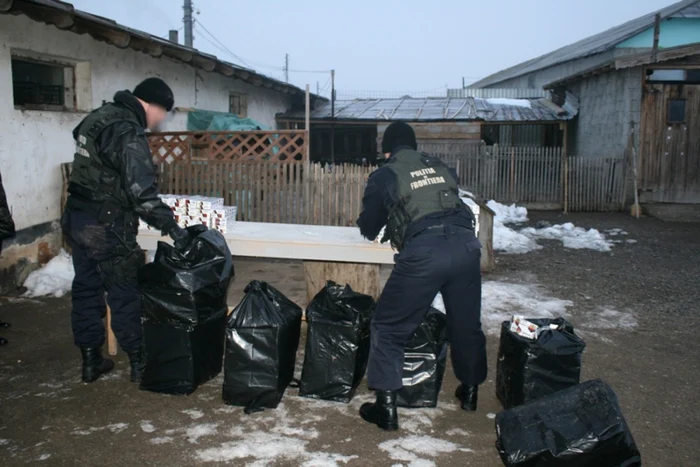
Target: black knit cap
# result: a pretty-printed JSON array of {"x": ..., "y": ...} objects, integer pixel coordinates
[
  {"x": 398, "y": 134},
  {"x": 155, "y": 91}
]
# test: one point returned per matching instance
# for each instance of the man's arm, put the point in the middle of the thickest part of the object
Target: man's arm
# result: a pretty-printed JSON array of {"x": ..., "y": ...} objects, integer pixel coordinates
[
  {"x": 375, "y": 204},
  {"x": 140, "y": 182}
]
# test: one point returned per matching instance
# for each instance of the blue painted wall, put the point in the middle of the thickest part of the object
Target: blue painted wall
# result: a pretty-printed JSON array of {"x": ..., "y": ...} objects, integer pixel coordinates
[{"x": 673, "y": 33}]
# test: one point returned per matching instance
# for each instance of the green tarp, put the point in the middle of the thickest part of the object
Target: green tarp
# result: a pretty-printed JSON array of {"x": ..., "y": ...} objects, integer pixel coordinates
[{"x": 207, "y": 120}]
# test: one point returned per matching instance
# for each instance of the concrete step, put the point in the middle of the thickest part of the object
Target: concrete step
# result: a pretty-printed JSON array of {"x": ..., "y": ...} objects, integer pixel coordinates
[{"x": 673, "y": 212}]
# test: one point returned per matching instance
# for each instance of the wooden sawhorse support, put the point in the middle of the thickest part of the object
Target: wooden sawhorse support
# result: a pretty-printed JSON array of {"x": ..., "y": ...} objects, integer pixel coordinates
[{"x": 362, "y": 277}]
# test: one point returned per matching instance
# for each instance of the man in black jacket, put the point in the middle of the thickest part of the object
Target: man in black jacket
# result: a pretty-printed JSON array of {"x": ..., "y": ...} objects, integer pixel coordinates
[
  {"x": 416, "y": 197},
  {"x": 113, "y": 183},
  {"x": 7, "y": 230}
]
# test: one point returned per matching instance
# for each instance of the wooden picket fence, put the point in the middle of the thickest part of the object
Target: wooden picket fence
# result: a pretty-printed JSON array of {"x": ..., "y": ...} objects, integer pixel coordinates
[
  {"x": 596, "y": 184},
  {"x": 295, "y": 193},
  {"x": 538, "y": 177},
  {"x": 302, "y": 193}
]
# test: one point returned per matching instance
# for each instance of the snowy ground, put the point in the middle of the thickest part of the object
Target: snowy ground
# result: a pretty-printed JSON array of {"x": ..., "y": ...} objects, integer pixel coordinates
[
  {"x": 637, "y": 313},
  {"x": 507, "y": 238}
]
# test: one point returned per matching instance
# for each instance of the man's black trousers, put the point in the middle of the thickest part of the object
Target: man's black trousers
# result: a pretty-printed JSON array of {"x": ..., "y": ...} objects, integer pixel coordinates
[
  {"x": 106, "y": 259},
  {"x": 442, "y": 259}
]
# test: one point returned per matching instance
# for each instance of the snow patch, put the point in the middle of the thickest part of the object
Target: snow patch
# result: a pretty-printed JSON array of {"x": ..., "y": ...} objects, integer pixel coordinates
[
  {"x": 607, "y": 318},
  {"x": 502, "y": 300},
  {"x": 162, "y": 440},
  {"x": 4, "y": 442},
  {"x": 193, "y": 433},
  {"x": 524, "y": 103},
  {"x": 114, "y": 428},
  {"x": 43, "y": 457},
  {"x": 268, "y": 448},
  {"x": 508, "y": 214},
  {"x": 509, "y": 241},
  {"x": 54, "y": 279},
  {"x": 573, "y": 237},
  {"x": 147, "y": 426},
  {"x": 411, "y": 448},
  {"x": 506, "y": 239},
  {"x": 456, "y": 432},
  {"x": 491, "y": 416},
  {"x": 194, "y": 414},
  {"x": 417, "y": 421}
]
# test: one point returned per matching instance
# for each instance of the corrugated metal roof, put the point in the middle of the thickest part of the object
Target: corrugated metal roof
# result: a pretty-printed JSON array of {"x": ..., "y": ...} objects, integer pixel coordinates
[
  {"x": 505, "y": 93},
  {"x": 437, "y": 109},
  {"x": 65, "y": 17},
  {"x": 594, "y": 44}
]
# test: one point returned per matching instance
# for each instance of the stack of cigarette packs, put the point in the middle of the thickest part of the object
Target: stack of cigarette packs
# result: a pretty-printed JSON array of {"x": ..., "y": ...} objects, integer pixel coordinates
[{"x": 195, "y": 210}]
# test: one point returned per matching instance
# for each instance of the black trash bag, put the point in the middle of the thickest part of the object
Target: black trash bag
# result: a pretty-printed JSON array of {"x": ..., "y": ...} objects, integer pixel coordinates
[
  {"x": 425, "y": 359},
  {"x": 528, "y": 369},
  {"x": 337, "y": 343},
  {"x": 183, "y": 298},
  {"x": 581, "y": 426},
  {"x": 262, "y": 338}
]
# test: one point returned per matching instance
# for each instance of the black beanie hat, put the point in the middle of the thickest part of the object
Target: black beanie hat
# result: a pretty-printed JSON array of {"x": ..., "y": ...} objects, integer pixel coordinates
[
  {"x": 155, "y": 91},
  {"x": 398, "y": 134}
]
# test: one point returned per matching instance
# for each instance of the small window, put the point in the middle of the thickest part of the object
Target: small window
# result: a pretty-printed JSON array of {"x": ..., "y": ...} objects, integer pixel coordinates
[
  {"x": 42, "y": 86},
  {"x": 676, "y": 111},
  {"x": 689, "y": 76},
  {"x": 238, "y": 104}
]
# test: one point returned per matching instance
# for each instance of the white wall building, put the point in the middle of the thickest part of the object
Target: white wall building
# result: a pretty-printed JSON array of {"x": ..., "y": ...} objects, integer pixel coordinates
[{"x": 51, "y": 76}]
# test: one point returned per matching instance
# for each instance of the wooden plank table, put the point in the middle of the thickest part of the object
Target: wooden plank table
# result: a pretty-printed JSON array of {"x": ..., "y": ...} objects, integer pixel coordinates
[{"x": 340, "y": 254}]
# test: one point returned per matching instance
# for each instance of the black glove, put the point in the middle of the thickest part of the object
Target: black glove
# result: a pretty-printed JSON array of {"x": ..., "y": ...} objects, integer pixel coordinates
[{"x": 180, "y": 236}]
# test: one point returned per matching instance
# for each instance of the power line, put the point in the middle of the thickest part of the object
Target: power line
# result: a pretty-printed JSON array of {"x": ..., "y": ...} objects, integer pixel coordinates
[
  {"x": 251, "y": 63},
  {"x": 221, "y": 44}
]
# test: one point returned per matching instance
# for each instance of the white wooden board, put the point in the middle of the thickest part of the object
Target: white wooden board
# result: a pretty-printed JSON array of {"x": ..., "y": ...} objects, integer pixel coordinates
[{"x": 288, "y": 241}]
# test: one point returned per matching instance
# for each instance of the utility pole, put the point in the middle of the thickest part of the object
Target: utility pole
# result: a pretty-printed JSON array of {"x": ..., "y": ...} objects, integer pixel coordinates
[
  {"x": 463, "y": 84},
  {"x": 286, "y": 67},
  {"x": 188, "y": 23},
  {"x": 332, "y": 116},
  {"x": 332, "y": 93},
  {"x": 318, "y": 89}
]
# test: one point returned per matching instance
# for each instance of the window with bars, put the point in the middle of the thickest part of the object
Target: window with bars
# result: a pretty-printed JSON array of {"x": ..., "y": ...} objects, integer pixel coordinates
[
  {"x": 42, "y": 86},
  {"x": 238, "y": 104}
]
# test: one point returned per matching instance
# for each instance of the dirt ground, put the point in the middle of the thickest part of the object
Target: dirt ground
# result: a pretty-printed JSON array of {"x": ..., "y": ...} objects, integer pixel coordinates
[{"x": 47, "y": 415}]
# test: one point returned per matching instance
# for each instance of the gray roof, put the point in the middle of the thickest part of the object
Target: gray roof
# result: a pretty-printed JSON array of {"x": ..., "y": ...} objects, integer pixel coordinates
[
  {"x": 445, "y": 109},
  {"x": 596, "y": 44},
  {"x": 65, "y": 17}
]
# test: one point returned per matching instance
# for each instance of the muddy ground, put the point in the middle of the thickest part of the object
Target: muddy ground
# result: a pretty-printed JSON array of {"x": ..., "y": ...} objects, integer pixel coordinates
[{"x": 48, "y": 416}]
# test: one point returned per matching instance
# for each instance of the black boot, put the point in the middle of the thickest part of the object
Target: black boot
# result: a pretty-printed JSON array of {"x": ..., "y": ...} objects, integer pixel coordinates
[
  {"x": 383, "y": 412},
  {"x": 4, "y": 325},
  {"x": 136, "y": 362},
  {"x": 468, "y": 395},
  {"x": 94, "y": 364}
]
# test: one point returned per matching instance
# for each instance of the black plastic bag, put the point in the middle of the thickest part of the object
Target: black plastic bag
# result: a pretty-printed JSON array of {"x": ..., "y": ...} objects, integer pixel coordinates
[
  {"x": 262, "y": 338},
  {"x": 337, "y": 343},
  {"x": 529, "y": 369},
  {"x": 183, "y": 298},
  {"x": 425, "y": 359},
  {"x": 581, "y": 426}
]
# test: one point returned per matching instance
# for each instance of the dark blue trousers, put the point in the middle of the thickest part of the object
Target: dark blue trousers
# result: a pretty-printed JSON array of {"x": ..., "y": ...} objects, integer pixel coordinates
[
  {"x": 106, "y": 259},
  {"x": 443, "y": 259}
]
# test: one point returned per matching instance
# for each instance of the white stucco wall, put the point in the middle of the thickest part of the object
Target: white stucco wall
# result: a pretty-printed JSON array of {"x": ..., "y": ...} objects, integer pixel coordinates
[{"x": 33, "y": 144}]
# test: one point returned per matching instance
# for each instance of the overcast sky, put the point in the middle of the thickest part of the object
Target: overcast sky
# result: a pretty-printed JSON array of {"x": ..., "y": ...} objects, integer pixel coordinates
[{"x": 393, "y": 46}]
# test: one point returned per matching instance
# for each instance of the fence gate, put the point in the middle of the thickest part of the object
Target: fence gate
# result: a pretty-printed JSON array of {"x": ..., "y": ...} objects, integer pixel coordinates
[{"x": 596, "y": 184}]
